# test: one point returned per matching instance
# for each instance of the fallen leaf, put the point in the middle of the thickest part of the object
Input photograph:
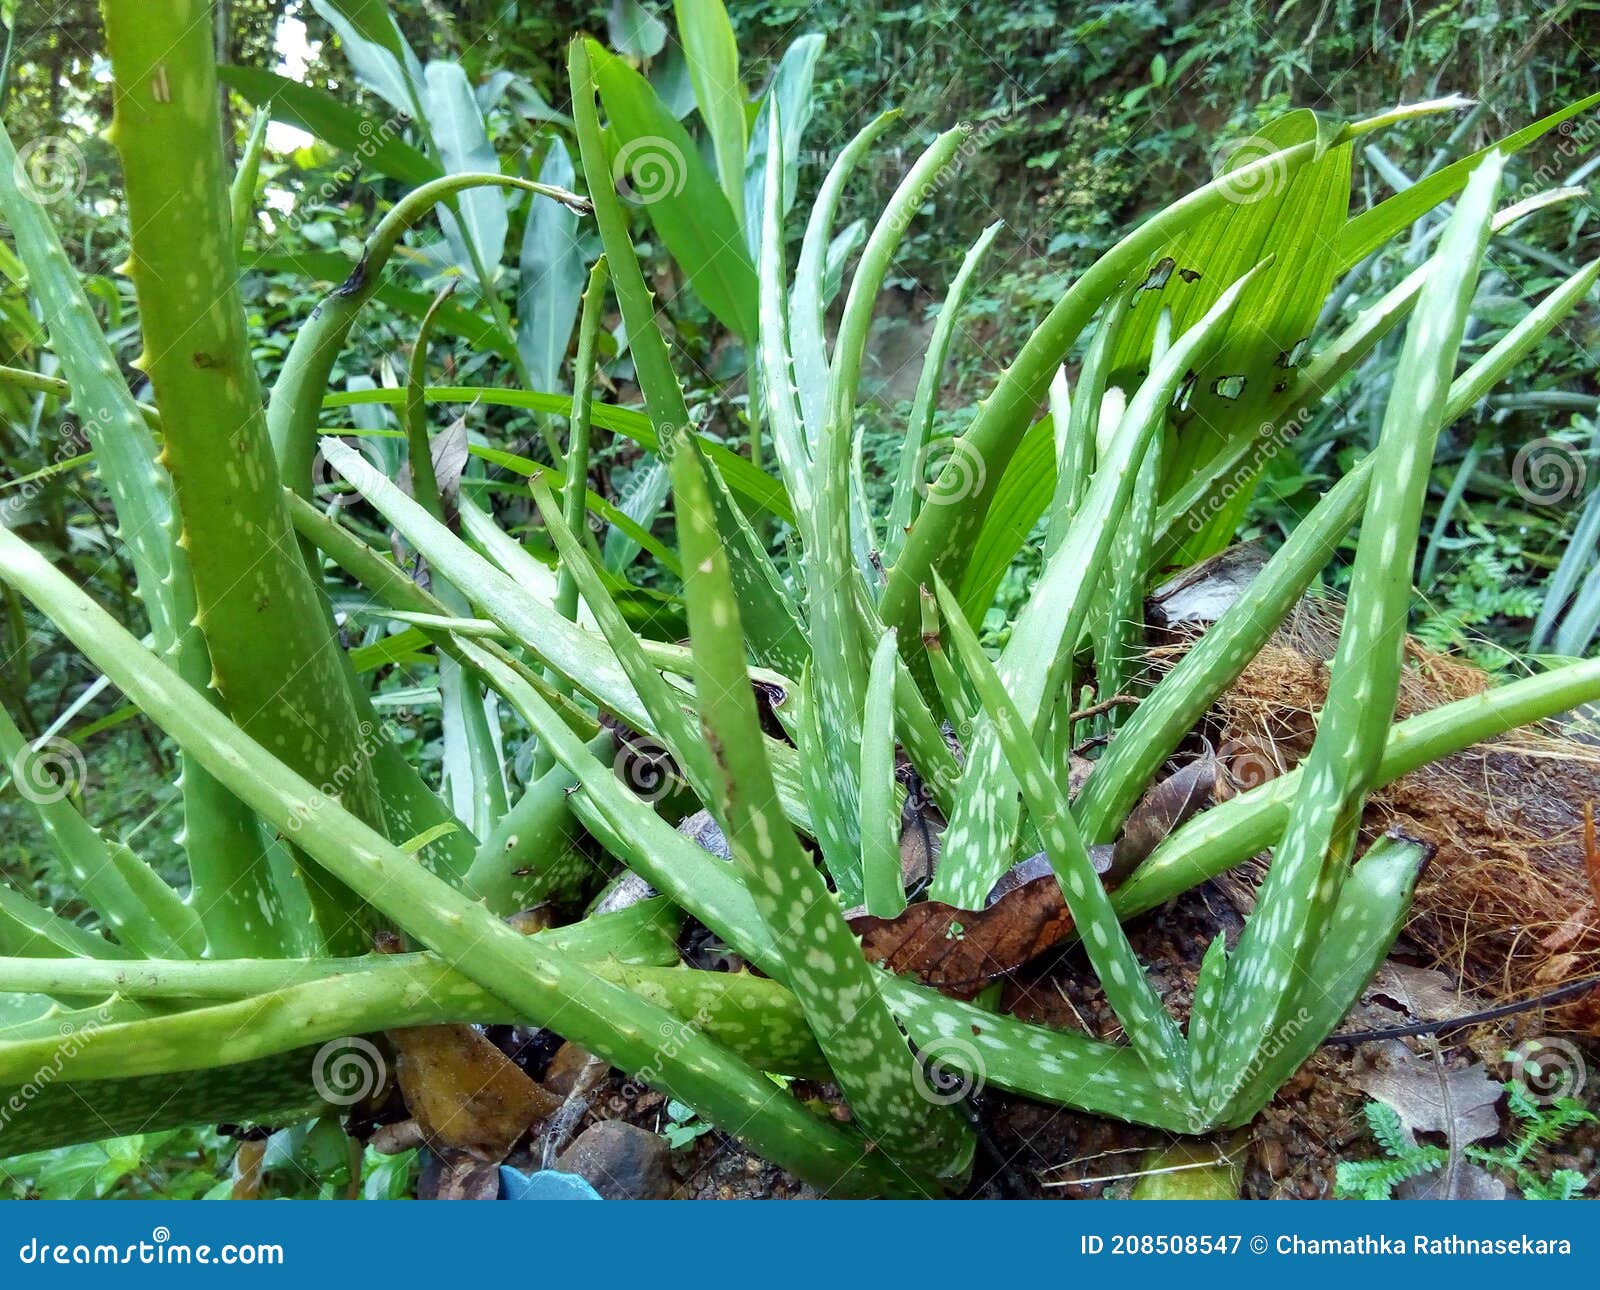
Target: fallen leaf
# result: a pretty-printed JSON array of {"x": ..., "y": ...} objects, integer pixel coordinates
[
  {"x": 959, "y": 951},
  {"x": 1461, "y": 1104},
  {"x": 1163, "y": 808},
  {"x": 1466, "y": 1182},
  {"x": 464, "y": 1093},
  {"x": 1422, "y": 993}
]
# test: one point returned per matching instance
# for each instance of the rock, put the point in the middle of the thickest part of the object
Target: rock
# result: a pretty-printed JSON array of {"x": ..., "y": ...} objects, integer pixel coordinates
[
  {"x": 621, "y": 1161},
  {"x": 567, "y": 1067}
]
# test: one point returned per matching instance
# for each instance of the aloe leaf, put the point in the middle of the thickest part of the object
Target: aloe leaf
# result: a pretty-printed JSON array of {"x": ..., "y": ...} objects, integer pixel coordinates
[
  {"x": 246, "y": 176},
  {"x": 1371, "y": 909},
  {"x": 537, "y": 983},
  {"x": 757, "y": 1019},
  {"x": 788, "y": 96},
  {"x": 1230, "y": 833},
  {"x": 830, "y": 572},
  {"x": 378, "y": 144},
  {"x": 140, "y": 910},
  {"x": 230, "y": 886},
  {"x": 530, "y": 854},
  {"x": 880, "y": 819},
  {"x": 1149, "y": 1027},
  {"x": 29, "y": 929},
  {"x": 983, "y": 823},
  {"x": 807, "y": 333},
  {"x": 1279, "y": 939},
  {"x": 904, "y": 504},
  {"x": 713, "y": 57},
  {"x": 575, "y": 464},
  {"x": 826, "y": 971}
]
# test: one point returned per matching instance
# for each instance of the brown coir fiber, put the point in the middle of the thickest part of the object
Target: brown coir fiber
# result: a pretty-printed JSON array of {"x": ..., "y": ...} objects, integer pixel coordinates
[{"x": 1508, "y": 904}]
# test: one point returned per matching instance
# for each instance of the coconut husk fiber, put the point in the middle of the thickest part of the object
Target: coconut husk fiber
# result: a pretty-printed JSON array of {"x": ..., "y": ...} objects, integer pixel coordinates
[{"x": 1509, "y": 905}]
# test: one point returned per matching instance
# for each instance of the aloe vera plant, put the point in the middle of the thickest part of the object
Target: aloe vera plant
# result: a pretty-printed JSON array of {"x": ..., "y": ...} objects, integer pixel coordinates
[{"x": 861, "y": 633}]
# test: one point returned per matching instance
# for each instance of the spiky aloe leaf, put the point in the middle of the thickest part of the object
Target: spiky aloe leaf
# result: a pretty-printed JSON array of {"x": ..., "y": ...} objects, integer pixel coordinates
[
  {"x": 1217, "y": 839},
  {"x": 229, "y": 881},
  {"x": 277, "y": 663},
  {"x": 1371, "y": 909},
  {"x": 1177, "y": 702},
  {"x": 881, "y": 882},
  {"x": 983, "y": 824},
  {"x": 1280, "y": 938},
  {"x": 537, "y": 983},
  {"x": 919, "y": 429},
  {"x": 826, "y": 970},
  {"x": 1150, "y": 1029}
]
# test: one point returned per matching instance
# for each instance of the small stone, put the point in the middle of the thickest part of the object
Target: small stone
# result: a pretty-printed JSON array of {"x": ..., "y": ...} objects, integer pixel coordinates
[
  {"x": 621, "y": 1161},
  {"x": 566, "y": 1067}
]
